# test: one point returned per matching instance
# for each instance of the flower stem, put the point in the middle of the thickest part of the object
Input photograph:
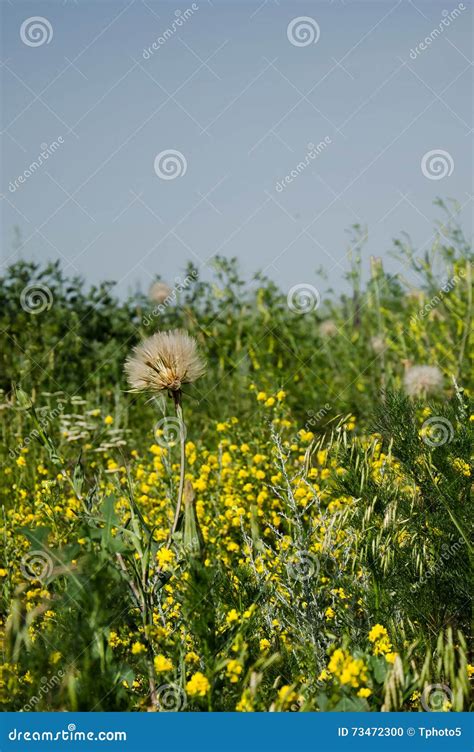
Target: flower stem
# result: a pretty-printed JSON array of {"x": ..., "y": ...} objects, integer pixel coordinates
[{"x": 182, "y": 440}]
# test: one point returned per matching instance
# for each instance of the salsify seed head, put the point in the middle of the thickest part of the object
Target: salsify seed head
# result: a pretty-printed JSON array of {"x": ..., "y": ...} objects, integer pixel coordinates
[
  {"x": 166, "y": 360},
  {"x": 159, "y": 291},
  {"x": 419, "y": 381}
]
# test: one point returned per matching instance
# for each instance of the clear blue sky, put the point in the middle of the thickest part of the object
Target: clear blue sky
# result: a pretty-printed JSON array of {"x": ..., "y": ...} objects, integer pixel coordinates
[{"x": 241, "y": 102}]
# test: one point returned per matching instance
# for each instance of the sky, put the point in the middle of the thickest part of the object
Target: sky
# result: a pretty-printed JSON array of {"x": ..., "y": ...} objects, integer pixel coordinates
[{"x": 260, "y": 129}]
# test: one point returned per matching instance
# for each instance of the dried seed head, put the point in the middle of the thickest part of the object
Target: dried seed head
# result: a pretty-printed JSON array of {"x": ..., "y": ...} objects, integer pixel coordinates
[
  {"x": 159, "y": 291},
  {"x": 166, "y": 360},
  {"x": 422, "y": 380}
]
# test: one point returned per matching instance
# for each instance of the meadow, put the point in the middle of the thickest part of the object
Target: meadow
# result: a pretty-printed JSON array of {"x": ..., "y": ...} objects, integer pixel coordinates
[{"x": 320, "y": 556}]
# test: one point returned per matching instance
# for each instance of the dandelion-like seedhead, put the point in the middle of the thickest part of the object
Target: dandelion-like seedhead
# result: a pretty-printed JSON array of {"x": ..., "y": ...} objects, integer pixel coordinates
[
  {"x": 328, "y": 328},
  {"x": 159, "y": 291},
  {"x": 166, "y": 360},
  {"x": 377, "y": 344},
  {"x": 422, "y": 380}
]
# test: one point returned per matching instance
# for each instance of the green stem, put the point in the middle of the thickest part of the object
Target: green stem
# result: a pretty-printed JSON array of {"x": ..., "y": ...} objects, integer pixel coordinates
[
  {"x": 182, "y": 440},
  {"x": 454, "y": 519}
]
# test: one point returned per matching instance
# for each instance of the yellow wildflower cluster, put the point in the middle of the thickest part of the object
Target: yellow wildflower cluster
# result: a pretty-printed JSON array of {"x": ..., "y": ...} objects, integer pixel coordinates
[
  {"x": 198, "y": 685},
  {"x": 346, "y": 668},
  {"x": 378, "y": 636}
]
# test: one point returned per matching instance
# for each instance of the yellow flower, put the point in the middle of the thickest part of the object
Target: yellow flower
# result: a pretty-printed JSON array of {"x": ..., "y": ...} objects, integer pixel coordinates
[
  {"x": 286, "y": 695},
  {"x": 233, "y": 670},
  {"x": 245, "y": 704},
  {"x": 114, "y": 640},
  {"x": 347, "y": 669},
  {"x": 232, "y": 616},
  {"x": 138, "y": 648},
  {"x": 164, "y": 557},
  {"x": 20, "y": 461},
  {"x": 198, "y": 685},
  {"x": 329, "y": 613},
  {"x": 336, "y": 662},
  {"x": 191, "y": 657},
  {"x": 281, "y": 395},
  {"x": 264, "y": 644},
  {"x": 377, "y": 632},
  {"x": 462, "y": 467},
  {"x": 161, "y": 663},
  {"x": 470, "y": 670},
  {"x": 261, "y": 396},
  {"x": 364, "y": 692},
  {"x": 270, "y": 402},
  {"x": 108, "y": 420}
]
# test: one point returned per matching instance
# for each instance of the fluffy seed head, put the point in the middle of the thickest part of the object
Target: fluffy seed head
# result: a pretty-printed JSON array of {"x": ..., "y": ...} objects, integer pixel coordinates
[
  {"x": 328, "y": 328},
  {"x": 166, "y": 360},
  {"x": 377, "y": 343},
  {"x": 159, "y": 291},
  {"x": 422, "y": 380}
]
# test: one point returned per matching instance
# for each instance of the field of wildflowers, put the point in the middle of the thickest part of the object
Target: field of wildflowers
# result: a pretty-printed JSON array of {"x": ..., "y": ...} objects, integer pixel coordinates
[{"x": 268, "y": 513}]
